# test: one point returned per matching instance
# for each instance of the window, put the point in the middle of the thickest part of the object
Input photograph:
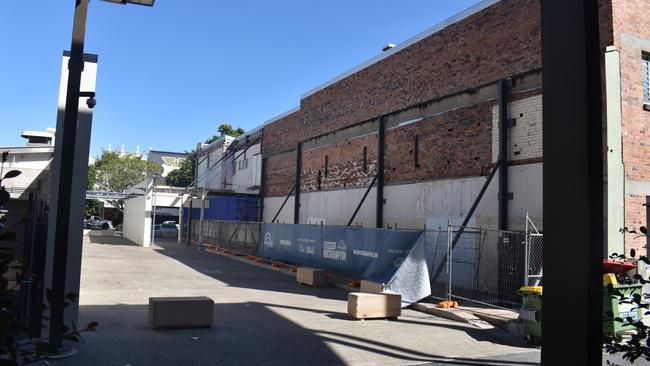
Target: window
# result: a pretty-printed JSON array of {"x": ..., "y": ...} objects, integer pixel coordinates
[{"x": 646, "y": 77}]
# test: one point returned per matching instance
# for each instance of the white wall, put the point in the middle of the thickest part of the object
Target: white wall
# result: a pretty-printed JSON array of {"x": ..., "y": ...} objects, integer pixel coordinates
[
  {"x": 337, "y": 207},
  {"x": 273, "y": 204},
  {"x": 137, "y": 216},
  {"x": 246, "y": 171},
  {"x": 412, "y": 206},
  {"x": 31, "y": 162}
]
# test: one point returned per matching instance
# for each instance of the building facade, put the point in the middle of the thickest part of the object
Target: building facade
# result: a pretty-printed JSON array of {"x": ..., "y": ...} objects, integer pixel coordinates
[{"x": 427, "y": 115}]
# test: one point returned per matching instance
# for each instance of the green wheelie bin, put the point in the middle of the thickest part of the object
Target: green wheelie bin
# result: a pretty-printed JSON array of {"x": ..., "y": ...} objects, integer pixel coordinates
[
  {"x": 531, "y": 312},
  {"x": 624, "y": 310}
]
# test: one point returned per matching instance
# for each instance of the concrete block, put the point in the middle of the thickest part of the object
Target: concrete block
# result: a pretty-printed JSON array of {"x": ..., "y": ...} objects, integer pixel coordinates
[
  {"x": 371, "y": 287},
  {"x": 377, "y": 305},
  {"x": 108, "y": 232},
  {"x": 311, "y": 276},
  {"x": 181, "y": 312}
]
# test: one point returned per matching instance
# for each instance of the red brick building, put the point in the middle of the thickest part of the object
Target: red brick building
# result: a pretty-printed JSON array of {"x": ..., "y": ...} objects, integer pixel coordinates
[{"x": 437, "y": 96}]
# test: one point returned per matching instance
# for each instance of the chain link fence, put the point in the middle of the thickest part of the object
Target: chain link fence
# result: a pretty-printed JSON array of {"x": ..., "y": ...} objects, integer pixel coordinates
[
  {"x": 482, "y": 266},
  {"x": 473, "y": 264},
  {"x": 239, "y": 236}
]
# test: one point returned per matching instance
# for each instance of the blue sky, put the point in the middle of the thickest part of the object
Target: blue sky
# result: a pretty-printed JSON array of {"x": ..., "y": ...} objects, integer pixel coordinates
[{"x": 169, "y": 75}]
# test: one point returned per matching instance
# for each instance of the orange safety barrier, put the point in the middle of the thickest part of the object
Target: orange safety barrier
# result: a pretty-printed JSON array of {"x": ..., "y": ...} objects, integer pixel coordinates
[{"x": 277, "y": 265}]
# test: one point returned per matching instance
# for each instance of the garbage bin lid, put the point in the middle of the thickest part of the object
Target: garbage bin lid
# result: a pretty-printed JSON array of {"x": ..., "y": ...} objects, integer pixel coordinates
[{"x": 531, "y": 290}]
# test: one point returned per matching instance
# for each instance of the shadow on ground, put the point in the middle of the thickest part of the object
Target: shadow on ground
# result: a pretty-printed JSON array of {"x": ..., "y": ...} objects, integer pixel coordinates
[
  {"x": 237, "y": 274},
  {"x": 243, "y": 334},
  {"x": 110, "y": 240}
]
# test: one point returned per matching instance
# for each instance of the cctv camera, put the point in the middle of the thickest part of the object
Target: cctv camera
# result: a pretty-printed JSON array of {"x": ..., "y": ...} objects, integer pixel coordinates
[{"x": 91, "y": 102}]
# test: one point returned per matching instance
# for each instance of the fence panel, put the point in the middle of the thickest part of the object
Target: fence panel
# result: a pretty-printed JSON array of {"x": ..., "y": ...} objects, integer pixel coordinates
[
  {"x": 483, "y": 266},
  {"x": 535, "y": 247},
  {"x": 238, "y": 236}
]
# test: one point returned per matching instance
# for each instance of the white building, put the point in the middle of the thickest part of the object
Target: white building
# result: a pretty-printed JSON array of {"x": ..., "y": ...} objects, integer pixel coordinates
[{"x": 33, "y": 161}]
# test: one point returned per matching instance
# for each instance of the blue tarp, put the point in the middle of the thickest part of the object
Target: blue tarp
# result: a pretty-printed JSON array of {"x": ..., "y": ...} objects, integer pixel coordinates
[
  {"x": 373, "y": 254},
  {"x": 233, "y": 208}
]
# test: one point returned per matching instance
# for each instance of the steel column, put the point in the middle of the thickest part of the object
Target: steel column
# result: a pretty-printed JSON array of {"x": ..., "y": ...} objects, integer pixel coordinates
[
  {"x": 296, "y": 201},
  {"x": 381, "y": 145},
  {"x": 573, "y": 182},
  {"x": 504, "y": 196}
]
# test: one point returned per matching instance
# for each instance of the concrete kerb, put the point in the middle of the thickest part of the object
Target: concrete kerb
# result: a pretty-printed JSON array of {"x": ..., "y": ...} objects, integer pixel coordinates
[{"x": 480, "y": 318}]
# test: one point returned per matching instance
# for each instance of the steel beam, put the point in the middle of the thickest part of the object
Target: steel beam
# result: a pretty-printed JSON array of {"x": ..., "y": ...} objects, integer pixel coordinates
[
  {"x": 363, "y": 199},
  {"x": 469, "y": 215},
  {"x": 283, "y": 203}
]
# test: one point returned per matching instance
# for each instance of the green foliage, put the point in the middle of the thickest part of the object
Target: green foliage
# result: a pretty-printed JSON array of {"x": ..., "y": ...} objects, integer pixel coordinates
[
  {"x": 23, "y": 344},
  {"x": 93, "y": 207},
  {"x": 119, "y": 227},
  {"x": 226, "y": 129},
  {"x": 112, "y": 173},
  {"x": 183, "y": 176}
]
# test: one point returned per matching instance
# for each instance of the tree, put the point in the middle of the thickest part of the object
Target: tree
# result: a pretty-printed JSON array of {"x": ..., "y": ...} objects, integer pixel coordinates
[
  {"x": 226, "y": 129},
  {"x": 183, "y": 176},
  {"x": 112, "y": 173}
]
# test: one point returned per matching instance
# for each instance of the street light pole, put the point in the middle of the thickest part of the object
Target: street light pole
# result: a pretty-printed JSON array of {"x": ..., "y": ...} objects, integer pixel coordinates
[{"x": 65, "y": 172}]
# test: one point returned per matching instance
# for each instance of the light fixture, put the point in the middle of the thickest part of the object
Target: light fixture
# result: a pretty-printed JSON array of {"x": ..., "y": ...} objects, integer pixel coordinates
[{"x": 136, "y": 2}]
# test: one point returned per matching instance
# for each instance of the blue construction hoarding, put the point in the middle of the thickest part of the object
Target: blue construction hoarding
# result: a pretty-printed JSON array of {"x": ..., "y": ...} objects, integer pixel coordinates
[{"x": 373, "y": 254}]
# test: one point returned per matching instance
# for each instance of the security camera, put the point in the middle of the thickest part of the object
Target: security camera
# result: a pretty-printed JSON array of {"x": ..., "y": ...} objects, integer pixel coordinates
[{"x": 91, "y": 102}]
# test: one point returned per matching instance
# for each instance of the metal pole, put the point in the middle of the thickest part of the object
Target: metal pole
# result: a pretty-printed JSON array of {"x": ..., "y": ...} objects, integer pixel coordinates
[
  {"x": 180, "y": 218},
  {"x": 153, "y": 212},
  {"x": 65, "y": 174},
  {"x": 189, "y": 221},
  {"x": 526, "y": 252},
  {"x": 449, "y": 250},
  {"x": 201, "y": 218}
]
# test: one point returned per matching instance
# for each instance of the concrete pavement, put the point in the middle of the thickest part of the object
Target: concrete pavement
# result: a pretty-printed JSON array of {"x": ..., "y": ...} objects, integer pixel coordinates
[{"x": 261, "y": 317}]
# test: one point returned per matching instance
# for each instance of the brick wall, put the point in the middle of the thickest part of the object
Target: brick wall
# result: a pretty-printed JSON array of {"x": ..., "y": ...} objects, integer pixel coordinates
[
  {"x": 500, "y": 41},
  {"x": 497, "y": 42},
  {"x": 345, "y": 164},
  {"x": 281, "y": 135},
  {"x": 452, "y": 144},
  {"x": 280, "y": 172},
  {"x": 632, "y": 36}
]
